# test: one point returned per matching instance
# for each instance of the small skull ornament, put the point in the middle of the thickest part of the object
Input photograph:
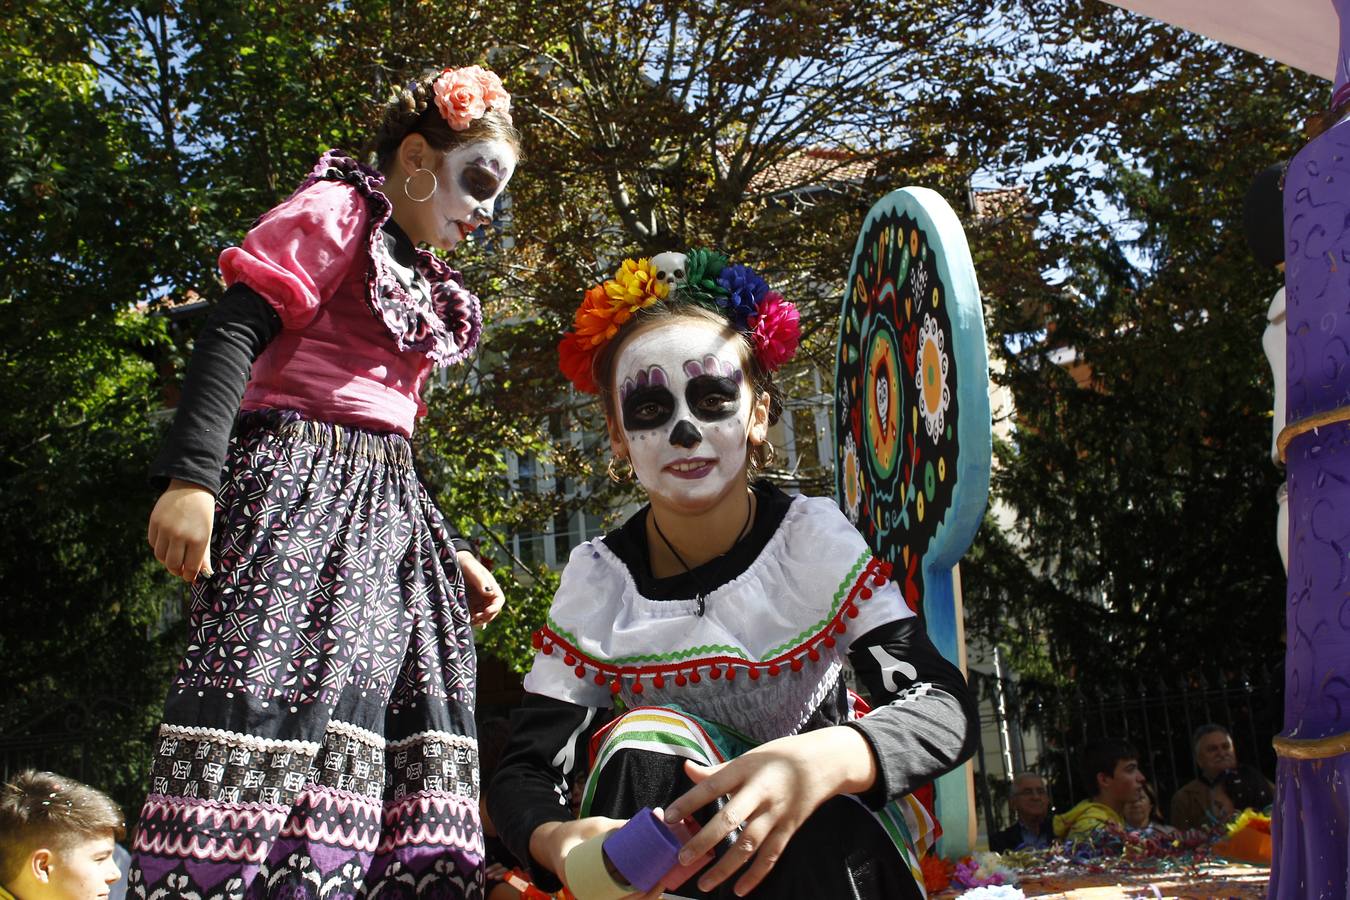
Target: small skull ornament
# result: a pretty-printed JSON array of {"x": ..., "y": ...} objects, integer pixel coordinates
[{"x": 669, "y": 267}]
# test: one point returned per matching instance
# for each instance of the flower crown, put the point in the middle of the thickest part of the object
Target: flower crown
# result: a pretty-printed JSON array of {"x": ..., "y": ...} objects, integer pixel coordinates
[
  {"x": 463, "y": 95},
  {"x": 700, "y": 277}
]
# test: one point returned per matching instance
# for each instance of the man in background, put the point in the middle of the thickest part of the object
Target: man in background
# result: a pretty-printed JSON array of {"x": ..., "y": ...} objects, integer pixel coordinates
[{"x": 1031, "y": 830}]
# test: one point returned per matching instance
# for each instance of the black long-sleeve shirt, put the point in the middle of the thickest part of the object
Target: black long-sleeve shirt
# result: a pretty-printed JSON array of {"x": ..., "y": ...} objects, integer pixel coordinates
[{"x": 924, "y": 722}]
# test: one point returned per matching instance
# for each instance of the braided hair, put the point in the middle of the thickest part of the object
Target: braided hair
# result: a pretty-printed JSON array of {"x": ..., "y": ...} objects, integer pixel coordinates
[{"x": 412, "y": 110}]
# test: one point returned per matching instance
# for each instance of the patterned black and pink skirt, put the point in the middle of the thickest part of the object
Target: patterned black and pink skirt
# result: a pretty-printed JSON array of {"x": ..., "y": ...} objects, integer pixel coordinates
[{"x": 318, "y": 739}]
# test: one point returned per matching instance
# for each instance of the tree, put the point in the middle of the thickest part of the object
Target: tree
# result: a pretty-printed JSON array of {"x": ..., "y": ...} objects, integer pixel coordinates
[
  {"x": 141, "y": 139},
  {"x": 81, "y": 222},
  {"x": 1144, "y": 496},
  {"x": 650, "y": 129}
]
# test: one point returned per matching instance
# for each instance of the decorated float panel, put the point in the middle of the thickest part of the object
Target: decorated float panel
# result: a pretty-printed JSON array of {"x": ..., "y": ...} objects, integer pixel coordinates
[{"x": 911, "y": 422}]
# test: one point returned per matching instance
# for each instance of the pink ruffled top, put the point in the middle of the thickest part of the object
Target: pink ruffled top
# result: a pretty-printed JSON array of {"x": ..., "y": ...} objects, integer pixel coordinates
[{"x": 357, "y": 341}]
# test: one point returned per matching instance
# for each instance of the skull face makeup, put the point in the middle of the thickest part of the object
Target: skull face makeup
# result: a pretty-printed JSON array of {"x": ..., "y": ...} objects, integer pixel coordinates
[
  {"x": 686, "y": 411},
  {"x": 468, "y": 181},
  {"x": 474, "y": 176}
]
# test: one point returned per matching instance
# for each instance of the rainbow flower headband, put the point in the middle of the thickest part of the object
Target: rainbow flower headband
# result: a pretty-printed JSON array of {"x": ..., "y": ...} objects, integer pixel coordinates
[
  {"x": 702, "y": 277},
  {"x": 463, "y": 95}
]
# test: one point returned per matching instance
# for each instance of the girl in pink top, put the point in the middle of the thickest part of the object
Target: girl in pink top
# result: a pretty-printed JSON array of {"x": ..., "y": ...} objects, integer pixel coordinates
[{"x": 318, "y": 738}]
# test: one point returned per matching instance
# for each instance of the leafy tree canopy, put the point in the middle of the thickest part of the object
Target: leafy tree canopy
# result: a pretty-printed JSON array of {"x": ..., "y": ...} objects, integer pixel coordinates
[{"x": 140, "y": 139}]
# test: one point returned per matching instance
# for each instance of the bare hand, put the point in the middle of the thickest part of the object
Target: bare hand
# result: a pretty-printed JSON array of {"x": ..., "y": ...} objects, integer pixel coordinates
[
  {"x": 773, "y": 789},
  {"x": 180, "y": 529},
  {"x": 486, "y": 599}
]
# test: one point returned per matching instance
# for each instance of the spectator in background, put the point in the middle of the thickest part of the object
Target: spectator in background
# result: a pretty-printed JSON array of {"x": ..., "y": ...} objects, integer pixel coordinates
[
  {"x": 1141, "y": 813},
  {"x": 1030, "y": 801},
  {"x": 1214, "y": 754},
  {"x": 56, "y": 839},
  {"x": 1239, "y": 789},
  {"x": 1111, "y": 769}
]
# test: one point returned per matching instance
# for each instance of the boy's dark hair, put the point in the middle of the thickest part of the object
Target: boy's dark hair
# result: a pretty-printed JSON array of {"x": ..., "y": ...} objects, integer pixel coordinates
[
  {"x": 1246, "y": 787},
  {"x": 40, "y": 809},
  {"x": 1100, "y": 758}
]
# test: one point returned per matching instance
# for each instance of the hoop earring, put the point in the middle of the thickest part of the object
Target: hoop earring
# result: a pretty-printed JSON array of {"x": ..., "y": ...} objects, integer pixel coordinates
[
  {"x": 617, "y": 475},
  {"x": 762, "y": 457},
  {"x": 435, "y": 186}
]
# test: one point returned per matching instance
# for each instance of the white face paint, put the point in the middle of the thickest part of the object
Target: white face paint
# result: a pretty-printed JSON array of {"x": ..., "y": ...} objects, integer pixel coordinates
[
  {"x": 684, "y": 406},
  {"x": 469, "y": 180}
]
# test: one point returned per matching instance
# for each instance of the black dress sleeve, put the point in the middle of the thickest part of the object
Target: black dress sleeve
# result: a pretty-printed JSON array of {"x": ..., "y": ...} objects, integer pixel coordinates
[
  {"x": 925, "y": 721},
  {"x": 533, "y": 783},
  {"x": 238, "y": 329}
]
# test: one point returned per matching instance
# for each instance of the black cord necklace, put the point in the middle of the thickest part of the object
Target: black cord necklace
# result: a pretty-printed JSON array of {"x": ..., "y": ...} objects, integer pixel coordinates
[{"x": 702, "y": 595}]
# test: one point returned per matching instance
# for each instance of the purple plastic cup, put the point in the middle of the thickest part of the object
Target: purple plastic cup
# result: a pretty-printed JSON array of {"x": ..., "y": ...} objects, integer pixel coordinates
[{"x": 643, "y": 850}]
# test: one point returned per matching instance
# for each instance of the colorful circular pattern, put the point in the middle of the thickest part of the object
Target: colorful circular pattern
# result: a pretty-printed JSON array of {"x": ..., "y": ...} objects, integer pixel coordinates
[
  {"x": 883, "y": 394},
  {"x": 896, "y": 407}
]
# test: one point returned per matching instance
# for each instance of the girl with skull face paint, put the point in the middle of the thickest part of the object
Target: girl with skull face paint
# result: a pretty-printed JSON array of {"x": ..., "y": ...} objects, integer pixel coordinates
[
  {"x": 694, "y": 656},
  {"x": 319, "y": 735}
]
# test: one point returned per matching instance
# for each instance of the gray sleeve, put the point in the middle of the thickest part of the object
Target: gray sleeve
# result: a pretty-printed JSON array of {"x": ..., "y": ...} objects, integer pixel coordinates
[{"x": 924, "y": 720}]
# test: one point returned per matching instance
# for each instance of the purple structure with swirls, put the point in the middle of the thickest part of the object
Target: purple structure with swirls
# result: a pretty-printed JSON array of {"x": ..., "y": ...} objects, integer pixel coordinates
[{"x": 1312, "y": 809}]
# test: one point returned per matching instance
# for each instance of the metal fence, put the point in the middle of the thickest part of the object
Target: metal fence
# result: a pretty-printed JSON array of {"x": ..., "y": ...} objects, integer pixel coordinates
[
  {"x": 1044, "y": 730},
  {"x": 98, "y": 738}
]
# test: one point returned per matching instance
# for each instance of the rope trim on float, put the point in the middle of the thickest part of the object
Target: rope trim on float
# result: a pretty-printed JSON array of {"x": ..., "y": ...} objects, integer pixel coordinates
[{"x": 1312, "y": 748}]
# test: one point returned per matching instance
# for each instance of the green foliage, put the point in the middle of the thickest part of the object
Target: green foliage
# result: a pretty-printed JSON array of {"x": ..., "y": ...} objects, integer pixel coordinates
[
  {"x": 139, "y": 140},
  {"x": 83, "y": 659},
  {"x": 1138, "y": 468}
]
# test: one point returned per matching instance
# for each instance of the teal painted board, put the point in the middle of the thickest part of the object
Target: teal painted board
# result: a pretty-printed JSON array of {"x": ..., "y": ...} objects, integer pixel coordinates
[{"x": 913, "y": 437}]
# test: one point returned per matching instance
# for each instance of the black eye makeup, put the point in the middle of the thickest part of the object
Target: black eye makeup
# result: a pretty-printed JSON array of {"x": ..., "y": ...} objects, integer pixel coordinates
[
  {"x": 647, "y": 408},
  {"x": 479, "y": 182},
  {"x": 712, "y": 398}
]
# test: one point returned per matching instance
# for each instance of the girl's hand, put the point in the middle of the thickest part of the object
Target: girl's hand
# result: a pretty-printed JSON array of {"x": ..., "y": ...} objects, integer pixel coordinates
[
  {"x": 773, "y": 789},
  {"x": 551, "y": 842},
  {"x": 485, "y": 595},
  {"x": 180, "y": 529}
]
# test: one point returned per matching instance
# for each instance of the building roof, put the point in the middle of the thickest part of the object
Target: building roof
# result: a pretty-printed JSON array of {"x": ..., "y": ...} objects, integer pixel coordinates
[
  {"x": 812, "y": 167},
  {"x": 999, "y": 203}
]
